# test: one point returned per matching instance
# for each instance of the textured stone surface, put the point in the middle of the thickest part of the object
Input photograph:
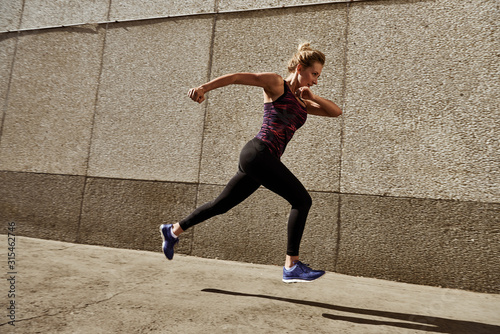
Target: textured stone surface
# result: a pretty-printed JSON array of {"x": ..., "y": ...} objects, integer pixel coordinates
[
  {"x": 227, "y": 5},
  {"x": 255, "y": 230},
  {"x": 137, "y": 9},
  {"x": 7, "y": 51},
  {"x": 10, "y": 14},
  {"x": 146, "y": 127},
  {"x": 42, "y": 206},
  {"x": 51, "y": 101},
  {"x": 433, "y": 242},
  {"x": 422, "y": 113},
  {"x": 48, "y": 13},
  {"x": 127, "y": 214},
  {"x": 235, "y": 112}
]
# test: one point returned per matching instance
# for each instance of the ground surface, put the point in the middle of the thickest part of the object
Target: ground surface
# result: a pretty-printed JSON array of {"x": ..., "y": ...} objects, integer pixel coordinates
[{"x": 70, "y": 288}]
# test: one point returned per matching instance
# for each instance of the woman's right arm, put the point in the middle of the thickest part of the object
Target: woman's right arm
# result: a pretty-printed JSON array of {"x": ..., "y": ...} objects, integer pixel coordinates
[{"x": 270, "y": 82}]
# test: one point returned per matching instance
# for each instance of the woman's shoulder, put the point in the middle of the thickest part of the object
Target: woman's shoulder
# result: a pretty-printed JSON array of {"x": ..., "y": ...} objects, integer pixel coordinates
[
  {"x": 274, "y": 87},
  {"x": 272, "y": 79}
]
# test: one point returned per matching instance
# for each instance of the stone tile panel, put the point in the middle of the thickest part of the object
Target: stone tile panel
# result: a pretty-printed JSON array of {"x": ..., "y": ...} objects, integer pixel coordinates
[
  {"x": 10, "y": 14},
  {"x": 146, "y": 127},
  {"x": 42, "y": 206},
  {"x": 49, "y": 13},
  {"x": 48, "y": 119},
  {"x": 422, "y": 113},
  {"x": 229, "y": 5},
  {"x": 422, "y": 241},
  {"x": 127, "y": 213},
  {"x": 136, "y": 9}
]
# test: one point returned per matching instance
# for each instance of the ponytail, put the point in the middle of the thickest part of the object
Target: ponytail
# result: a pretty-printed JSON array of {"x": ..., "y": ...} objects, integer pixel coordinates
[{"x": 306, "y": 56}]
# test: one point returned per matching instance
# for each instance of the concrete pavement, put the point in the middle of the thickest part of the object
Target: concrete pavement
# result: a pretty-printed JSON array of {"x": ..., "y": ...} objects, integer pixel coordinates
[{"x": 60, "y": 287}]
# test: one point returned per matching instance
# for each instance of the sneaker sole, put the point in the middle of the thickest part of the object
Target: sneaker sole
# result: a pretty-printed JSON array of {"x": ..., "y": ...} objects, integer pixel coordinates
[
  {"x": 163, "y": 244},
  {"x": 299, "y": 280},
  {"x": 163, "y": 238},
  {"x": 161, "y": 232}
]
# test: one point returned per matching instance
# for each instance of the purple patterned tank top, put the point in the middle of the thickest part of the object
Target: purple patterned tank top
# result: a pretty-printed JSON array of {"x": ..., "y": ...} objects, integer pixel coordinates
[{"x": 281, "y": 119}]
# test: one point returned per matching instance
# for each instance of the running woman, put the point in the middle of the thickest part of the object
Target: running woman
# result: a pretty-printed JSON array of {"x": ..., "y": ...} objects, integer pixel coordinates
[{"x": 287, "y": 102}]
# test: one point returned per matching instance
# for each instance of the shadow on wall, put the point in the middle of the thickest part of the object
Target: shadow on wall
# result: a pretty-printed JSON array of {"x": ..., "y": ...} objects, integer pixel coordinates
[{"x": 412, "y": 321}]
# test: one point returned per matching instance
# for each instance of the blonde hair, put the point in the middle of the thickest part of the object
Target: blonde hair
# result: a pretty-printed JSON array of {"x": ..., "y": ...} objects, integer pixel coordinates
[{"x": 306, "y": 56}]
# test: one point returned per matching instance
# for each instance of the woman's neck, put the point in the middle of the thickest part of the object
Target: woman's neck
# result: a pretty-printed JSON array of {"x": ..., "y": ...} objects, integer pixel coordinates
[{"x": 293, "y": 81}]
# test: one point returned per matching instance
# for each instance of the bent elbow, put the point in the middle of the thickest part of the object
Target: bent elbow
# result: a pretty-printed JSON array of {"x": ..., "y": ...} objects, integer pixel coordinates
[{"x": 337, "y": 112}]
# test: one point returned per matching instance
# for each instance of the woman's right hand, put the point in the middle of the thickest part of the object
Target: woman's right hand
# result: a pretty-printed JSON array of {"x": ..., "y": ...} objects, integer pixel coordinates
[{"x": 197, "y": 94}]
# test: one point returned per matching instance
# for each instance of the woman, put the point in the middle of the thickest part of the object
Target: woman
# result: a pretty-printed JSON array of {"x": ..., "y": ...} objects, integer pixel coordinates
[{"x": 286, "y": 105}]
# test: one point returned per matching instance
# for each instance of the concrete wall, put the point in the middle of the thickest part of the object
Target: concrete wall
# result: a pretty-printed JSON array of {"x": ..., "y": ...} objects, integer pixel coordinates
[{"x": 99, "y": 143}]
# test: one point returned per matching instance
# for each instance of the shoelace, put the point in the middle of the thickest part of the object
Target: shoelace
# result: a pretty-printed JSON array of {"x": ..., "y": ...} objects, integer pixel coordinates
[{"x": 304, "y": 266}]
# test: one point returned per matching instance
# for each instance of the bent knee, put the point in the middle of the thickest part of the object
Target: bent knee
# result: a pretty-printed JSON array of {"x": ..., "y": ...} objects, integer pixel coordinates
[
  {"x": 308, "y": 201},
  {"x": 304, "y": 202}
]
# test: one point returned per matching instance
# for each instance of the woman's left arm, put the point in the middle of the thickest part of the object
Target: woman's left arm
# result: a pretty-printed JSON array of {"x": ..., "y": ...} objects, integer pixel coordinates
[{"x": 317, "y": 105}]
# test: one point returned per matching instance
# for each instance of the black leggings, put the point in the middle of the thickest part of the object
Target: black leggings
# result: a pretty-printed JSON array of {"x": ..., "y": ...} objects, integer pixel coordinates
[{"x": 258, "y": 167}]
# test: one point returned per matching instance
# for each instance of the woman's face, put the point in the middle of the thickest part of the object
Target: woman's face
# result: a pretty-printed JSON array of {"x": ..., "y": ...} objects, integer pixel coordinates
[{"x": 308, "y": 76}]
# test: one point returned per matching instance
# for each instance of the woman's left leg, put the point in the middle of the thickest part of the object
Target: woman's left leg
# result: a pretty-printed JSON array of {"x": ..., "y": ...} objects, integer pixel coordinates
[
  {"x": 275, "y": 176},
  {"x": 269, "y": 171}
]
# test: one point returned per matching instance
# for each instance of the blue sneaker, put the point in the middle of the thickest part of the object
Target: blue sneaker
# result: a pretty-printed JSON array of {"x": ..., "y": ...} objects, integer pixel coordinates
[
  {"x": 168, "y": 240},
  {"x": 300, "y": 272}
]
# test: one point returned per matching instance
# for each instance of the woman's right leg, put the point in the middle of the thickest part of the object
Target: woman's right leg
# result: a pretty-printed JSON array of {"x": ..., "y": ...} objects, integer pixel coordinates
[{"x": 238, "y": 189}]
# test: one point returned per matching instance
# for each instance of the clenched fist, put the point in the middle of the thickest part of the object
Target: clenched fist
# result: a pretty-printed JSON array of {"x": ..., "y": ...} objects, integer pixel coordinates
[
  {"x": 197, "y": 94},
  {"x": 305, "y": 93}
]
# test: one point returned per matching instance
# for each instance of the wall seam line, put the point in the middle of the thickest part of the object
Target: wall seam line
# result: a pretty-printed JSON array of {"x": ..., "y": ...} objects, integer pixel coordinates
[
  {"x": 342, "y": 128},
  {"x": 109, "y": 10},
  {"x": 11, "y": 73},
  {"x": 92, "y": 124},
  {"x": 209, "y": 75}
]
